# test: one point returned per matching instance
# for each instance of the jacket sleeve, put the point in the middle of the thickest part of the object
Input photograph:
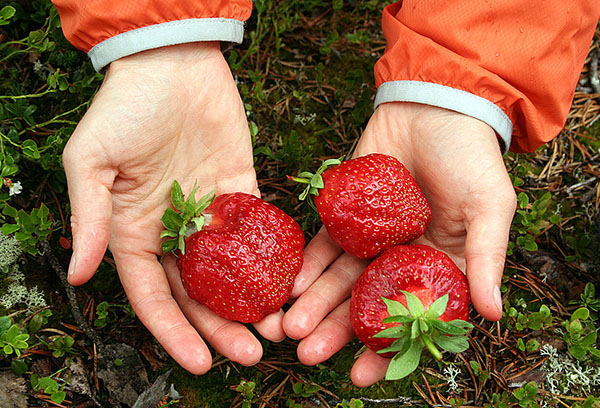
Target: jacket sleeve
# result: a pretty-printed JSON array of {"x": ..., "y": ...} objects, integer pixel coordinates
[
  {"x": 110, "y": 29},
  {"x": 510, "y": 63}
]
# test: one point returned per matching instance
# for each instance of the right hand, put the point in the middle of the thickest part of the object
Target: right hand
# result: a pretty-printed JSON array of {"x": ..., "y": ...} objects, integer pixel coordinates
[{"x": 172, "y": 113}]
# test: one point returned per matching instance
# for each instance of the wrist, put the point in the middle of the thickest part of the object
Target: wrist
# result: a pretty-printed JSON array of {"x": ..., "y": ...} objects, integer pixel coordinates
[{"x": 164, "y": 60}]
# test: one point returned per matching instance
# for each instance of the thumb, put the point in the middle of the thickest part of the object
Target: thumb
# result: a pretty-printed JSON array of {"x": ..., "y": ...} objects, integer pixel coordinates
[
  {"x": 91, "y": 208},
  {"x": 485, "y": 253}
]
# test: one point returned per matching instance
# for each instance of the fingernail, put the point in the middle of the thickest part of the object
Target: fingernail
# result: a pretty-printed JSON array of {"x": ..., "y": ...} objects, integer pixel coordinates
[
  {"x": 72, "y": 265},
  {"x": 498, "y": 298}
]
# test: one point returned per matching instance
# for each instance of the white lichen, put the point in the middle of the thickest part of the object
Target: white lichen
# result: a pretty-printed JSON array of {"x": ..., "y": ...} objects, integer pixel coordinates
[
  {"x": 566, "y": 375},
  {"x": 451, "y": 373},
  {"x": 10, "y": 250},
  {"x": 15, "y": 291}
]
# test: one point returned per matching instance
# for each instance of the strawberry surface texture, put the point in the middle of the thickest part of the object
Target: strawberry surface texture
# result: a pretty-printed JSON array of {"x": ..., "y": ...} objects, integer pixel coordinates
[
  {"x": 420, "y": 270},
  {"x": 371, "y": 203},
  {"x": 243, "y": 262}
]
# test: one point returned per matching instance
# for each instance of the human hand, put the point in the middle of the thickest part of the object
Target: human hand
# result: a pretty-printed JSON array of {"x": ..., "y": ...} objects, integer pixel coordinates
[
  {"x": 458, "y": 164},
  {"x": 160, "y": 115}
]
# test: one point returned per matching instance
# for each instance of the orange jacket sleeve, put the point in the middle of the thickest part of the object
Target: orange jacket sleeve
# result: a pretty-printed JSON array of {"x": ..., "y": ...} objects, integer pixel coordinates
[
  {"x": 111, "y": 29},
  {"x": 513, "y": 64}
]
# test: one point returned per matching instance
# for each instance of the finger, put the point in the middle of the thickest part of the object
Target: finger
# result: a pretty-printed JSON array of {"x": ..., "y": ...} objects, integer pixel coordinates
[
  {"x": 485, "y": 254},
  {"x": 318, "y": 254},
  {"x": 148, "y": 290},
  {"x": 271, "y": 326},
  {"x": 332, "y": 288},
  {"x": 369, "y": 368},
  {"x": 91, "y": 207},
  {"x": 328, "y": 338},
  {"x": 229, "y": 338}
]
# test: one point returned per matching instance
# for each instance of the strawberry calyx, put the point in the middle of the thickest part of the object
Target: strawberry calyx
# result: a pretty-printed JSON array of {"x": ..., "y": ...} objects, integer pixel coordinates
[
  {"x": 418, "y": 329},
  {"x": 185, "y": 219},
  {"x": 314, "y": 180}
]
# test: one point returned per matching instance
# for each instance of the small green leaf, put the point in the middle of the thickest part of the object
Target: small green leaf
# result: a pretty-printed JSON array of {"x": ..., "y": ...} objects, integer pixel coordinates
[
  {"x": 177, "y": 197},
  {"x": 404, "y": 364},
  {"x": 399, "y": 346},
  {"x": 306, "y": 175},
  {"x": 168, "y": 246},
  {"x": 168, "y": 233},
  {"x": 8, "y": 229},
  {"x": 453, "y": 344},
  {"x": 58, "y": 396},
  {"x": 172, "y": 220},
  {"x": 317, "y": 181},
  {"x": 437, "y": 308},
  {"x": 204, "y": 202},
  {"x": 414, "y": 304},
  {"x": 398, "y": 319},
  {"x": 451, "y": 329},
  {"x": 580, "y": 314},
  {"x": 395, "y": 308},
  {"x": 393, "y": 332}
]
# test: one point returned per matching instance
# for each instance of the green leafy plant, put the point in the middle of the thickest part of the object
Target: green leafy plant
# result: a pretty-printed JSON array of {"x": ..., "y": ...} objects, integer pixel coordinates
[
  {"x": 28, "y": 229},
  {"x": 6, "y": 13},
  {"x": 304, "y": 390},
  {"x": 61, "y": 345},
  {"x": 106, "y": 313},
  {"x": 49, "y": 386},
  {"x": 353, "y": 403},
  {"x": 481, "y": 374},
  {"x": 246, "y": 389},
  {"x": 588, "y": 300},
  {"x": 531, "y": 220},
  {"x": 581, "y": 335},
  {"x": 420, "y": 329},
  {"x": 12, "y": 338},
  {"x": 540, "y": 320}
]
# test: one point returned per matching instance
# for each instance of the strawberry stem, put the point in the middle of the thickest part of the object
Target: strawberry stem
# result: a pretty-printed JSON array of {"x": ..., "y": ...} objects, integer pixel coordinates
[
  {"x": 435, "y": 352},
  {"x": 314, "y": 181}
]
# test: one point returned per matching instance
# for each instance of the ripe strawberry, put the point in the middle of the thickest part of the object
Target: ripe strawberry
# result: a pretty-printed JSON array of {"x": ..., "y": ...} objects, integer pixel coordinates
[
  {"x": 411, "y": 297},
  {"x": 368, "y": 204},
  {"x": 237, "y": 254}
]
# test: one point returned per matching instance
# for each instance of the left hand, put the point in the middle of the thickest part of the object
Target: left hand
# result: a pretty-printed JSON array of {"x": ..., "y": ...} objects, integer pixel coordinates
[{"x": 457, "y": 162}]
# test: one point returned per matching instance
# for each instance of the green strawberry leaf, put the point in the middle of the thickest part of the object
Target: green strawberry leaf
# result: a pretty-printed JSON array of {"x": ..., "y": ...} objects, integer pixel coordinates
[
  {"x": 452, "y": 344},
  {"x": 404, "y": 364},
  {"x": 437, "y": 308},
  {"x": 171, "y": 219},
  {"x": 177, "y": 197},
  {"x": 415, "y": 331},
  {"x": 394, "y": 332},
  {"x": 317, "y": 181},
  {"x": 400, "y": 346},
  {"x": 423, "y": 326},
  {"x": 168, "y": 246},
  {"x": 447, "y": 328},
  {"x": 414, "y": 304},
  {"x": 398, "y": 319},
  {"x": 168, "y": 233},
  {"x": 395, "y": 308}
]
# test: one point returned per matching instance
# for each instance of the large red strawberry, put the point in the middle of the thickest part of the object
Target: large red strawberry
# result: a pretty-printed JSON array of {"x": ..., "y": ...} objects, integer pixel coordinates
[
  {"x": 409, "y": 298},
  {"x": 237, "y": 254},
  {"x": 368, "y": 204}
]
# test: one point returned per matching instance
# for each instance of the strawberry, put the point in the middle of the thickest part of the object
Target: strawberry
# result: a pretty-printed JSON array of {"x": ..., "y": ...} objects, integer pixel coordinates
[
  {"x": 409, "y": 298},
  {"x": 236, "y": 253},
  {"x": 368, "y": 204}
]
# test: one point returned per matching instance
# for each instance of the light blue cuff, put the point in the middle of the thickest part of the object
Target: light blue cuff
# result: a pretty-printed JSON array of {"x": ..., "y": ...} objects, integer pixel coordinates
[
  {"x": 448, "y": 98},
  {"x": 163, "y": 34}
]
